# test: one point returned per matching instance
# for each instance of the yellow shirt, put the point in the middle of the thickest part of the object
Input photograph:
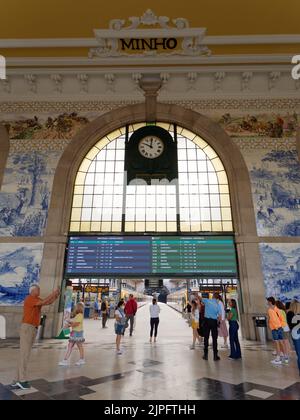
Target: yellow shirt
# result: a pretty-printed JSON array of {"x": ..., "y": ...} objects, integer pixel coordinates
[{"x": 78, "y": 318}]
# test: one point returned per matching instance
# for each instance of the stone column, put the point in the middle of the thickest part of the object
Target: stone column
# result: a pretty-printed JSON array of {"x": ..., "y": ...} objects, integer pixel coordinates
[{"x": 151, "y": 85}]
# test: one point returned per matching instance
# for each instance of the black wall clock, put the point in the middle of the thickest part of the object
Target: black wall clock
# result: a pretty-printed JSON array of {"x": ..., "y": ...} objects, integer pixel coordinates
[{"x": 151, "y": 154}]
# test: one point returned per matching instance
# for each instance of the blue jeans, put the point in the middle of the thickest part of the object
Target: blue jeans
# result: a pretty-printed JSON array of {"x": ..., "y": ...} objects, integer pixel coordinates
[
  {"x": 235, "y": 347},
  {"x": 297, "y": 348}
]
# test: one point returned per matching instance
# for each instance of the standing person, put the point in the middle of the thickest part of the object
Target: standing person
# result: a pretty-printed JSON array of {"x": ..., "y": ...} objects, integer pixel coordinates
[
  {"x": 31, "y": 320},
  {"x": 276, "y": 323},
  {"x": 120, "y": 318},
  {"x": 286, "y": 332},
  {"x": 195, "y": 323},
  {"x": 131, "y": 308},
  {"x": 76, "y": 337},
  {"x": 293, "y": 317},
  {"x": 222, "y": 330},
  {"x": 104, "y": 311},
  {"x": 96, "y": 310},
  {"x": 201, "y": 321},
  {"x": 233, "y": 318},
  {"x": 154, "y": 319},
  {"x": 211, "y": 319}
]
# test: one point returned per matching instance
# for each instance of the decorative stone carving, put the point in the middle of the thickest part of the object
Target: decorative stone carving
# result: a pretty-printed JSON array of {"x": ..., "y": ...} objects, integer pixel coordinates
[
  {"x": 274, "y": 77},
  {"x": 31, "y": 80},
  {"x": 136, "y": 77},
  {"x": 110, "y": 79},
  {"x": 247, "y": 76},
  {"x": 83, "y": 80},
  {"x": 163, "y": 28},
  {"x": 6, "y": 85},
  {"x": 218, "y": 79},
  {"x": 192, "y": 78},
  {"x": 165, "y": 77},
  {"x": 57, "y": 79}
]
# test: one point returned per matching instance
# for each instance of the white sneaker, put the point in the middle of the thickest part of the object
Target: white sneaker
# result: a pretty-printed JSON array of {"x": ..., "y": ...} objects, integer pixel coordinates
[
  {"x": 80, "y": 362},
  {"x": 276, "y": 362},
  {"x": 64, "y": 363},
  {"x": 274, "y": 353},
  {"x": 286, "y": 361}
]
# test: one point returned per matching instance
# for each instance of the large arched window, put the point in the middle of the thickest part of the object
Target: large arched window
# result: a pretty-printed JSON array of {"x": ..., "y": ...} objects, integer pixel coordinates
[{"x": 198, "y": 202}]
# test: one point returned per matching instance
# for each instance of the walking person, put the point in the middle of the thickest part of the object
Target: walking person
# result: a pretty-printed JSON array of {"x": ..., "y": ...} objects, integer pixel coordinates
[
  {"x": 154, "y": 320},
  {"x": 276, "y": 323},
  {"x": 212, "y": 318},
  {"x": 31, "y": 320},
  {"x": 131, "y": 308},
  {"x": 222, "y": 330},
  {"x": 286, "y": 333},
  {"x": 233, "y": 318},
  {"x": 76, "y": 337},
  {"x": 120, "y": 323},
  {"x": 104, "y": 311}
]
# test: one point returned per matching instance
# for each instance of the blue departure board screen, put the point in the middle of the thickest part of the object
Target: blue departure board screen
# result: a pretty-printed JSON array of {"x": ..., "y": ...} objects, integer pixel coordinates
[{"x": 178, "y": 256}]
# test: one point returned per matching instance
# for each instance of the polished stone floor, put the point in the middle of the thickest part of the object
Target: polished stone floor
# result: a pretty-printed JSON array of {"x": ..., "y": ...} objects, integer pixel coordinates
[{"x": 167, "y": 370}]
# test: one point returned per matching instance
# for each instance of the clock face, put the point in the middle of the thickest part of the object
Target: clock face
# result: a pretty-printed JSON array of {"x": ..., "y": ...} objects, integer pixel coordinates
[{"x": 151, "y": 147}]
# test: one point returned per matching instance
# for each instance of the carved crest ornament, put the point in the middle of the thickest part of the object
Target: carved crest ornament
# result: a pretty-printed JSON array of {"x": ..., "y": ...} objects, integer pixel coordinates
[{"x": 149, "y": 36}]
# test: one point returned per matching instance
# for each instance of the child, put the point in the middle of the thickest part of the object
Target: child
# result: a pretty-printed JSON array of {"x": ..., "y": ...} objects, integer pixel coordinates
[
  {"x": 120, "y": 323},
  {"x": 76, "y": 337},
  {"x": 195, "y": 323}
]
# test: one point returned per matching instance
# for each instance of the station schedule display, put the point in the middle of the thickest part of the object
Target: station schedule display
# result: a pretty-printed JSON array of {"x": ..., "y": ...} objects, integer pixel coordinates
[{"x": 133, "y": 256}]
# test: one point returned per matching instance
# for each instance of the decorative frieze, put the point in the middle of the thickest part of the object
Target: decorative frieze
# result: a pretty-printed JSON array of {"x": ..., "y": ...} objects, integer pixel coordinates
[{"x": 255, "y": 143}]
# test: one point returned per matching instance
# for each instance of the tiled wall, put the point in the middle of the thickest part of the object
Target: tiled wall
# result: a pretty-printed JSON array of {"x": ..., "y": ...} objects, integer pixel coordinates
[{"x": 26, "y": 191}]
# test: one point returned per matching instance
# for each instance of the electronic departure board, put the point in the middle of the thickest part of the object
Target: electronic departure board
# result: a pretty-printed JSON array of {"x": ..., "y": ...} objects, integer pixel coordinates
[{"x": 134, "y": 256}]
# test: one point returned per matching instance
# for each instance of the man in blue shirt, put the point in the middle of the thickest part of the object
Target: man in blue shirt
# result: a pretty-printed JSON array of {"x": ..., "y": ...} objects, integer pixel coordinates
[{"x": 213, "y": 315}]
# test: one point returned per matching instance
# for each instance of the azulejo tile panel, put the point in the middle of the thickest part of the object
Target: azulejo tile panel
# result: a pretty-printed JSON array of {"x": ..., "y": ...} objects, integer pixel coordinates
[
  {"x": 20, "y": 266},
  {"x": 281, "y": 269},
  {"x": 26, "y": 193},
  {"x": 275, "y": 178}
]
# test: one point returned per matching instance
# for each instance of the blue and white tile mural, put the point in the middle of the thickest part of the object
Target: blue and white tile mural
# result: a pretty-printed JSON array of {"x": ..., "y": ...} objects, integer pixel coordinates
[
  {"x": 25, "y": 193},
  {"x": 275, "y": 178},
  {"x": 281, "y": 269},
  {"x": 20, "y": 267}
]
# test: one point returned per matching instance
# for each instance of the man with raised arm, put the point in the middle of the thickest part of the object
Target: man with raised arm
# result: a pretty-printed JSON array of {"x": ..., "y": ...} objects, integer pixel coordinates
[{"x": 31, "y": 320}]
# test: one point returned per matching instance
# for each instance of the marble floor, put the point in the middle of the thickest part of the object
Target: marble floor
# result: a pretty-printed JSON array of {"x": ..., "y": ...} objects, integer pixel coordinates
[{"x": 167, "y": 370}]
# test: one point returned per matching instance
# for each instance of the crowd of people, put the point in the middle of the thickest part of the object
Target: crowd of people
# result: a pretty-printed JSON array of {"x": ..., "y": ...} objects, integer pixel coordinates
[{"x": 206, "y": 317}]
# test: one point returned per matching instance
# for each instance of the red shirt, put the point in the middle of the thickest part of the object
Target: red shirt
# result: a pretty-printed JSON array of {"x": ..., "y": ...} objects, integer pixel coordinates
[
  {"x": 32, "y": 313},
  {"x": 131, "y": 307}
]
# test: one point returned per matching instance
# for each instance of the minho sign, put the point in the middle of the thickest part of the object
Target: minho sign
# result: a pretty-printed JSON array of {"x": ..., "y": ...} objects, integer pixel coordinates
[
  {"x": 153, "y": 44},
  {"x": 149, "y": 35}
]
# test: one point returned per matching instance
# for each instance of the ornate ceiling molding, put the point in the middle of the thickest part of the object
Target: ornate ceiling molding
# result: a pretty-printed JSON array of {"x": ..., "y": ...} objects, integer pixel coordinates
[{"x": 135, "y": 37}]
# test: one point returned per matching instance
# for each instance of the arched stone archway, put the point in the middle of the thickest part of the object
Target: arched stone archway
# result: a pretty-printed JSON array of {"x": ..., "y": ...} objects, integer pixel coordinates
[{"x": 240, "y": 189}]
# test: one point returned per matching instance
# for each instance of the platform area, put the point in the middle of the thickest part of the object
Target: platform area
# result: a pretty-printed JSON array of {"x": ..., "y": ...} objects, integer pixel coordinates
[{"x": 167, "y": 370}]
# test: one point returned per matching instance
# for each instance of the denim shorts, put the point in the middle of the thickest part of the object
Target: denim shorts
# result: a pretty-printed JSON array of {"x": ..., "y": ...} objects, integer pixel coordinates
[
  {"x": 119, "y": 329},
  {"x": 277, "y": 334}
]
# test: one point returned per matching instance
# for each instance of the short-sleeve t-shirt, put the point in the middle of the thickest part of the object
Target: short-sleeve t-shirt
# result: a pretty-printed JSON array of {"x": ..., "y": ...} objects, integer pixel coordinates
[
  {"x": 32, "y": 312},
  {"x": 235, "y": 316},
  {"x": 78, "y": 319}
]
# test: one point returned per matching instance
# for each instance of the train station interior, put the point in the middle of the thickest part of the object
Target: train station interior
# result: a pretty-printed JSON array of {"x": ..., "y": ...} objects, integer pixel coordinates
[{"x": 150, "y": 200}]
